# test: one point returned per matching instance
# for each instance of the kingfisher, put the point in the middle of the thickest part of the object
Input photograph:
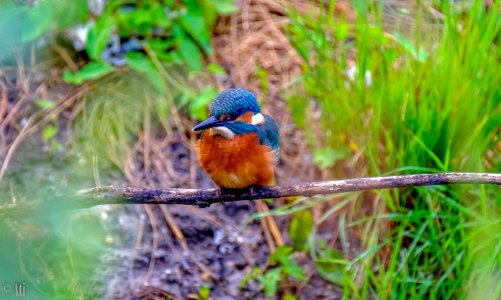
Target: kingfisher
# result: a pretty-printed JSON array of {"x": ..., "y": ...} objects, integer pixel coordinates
[{"x": 239, "y": 146}]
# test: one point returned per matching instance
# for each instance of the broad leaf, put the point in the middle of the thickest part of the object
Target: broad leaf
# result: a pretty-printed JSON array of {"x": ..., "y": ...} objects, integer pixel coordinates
[
  {"x": 187, "y": 49},
  {"x": 291, "y": 269},
  {"x": 203, "y": 293},
  {"x": 282, "y": 256},
  {"x": 225, "y": 7},
  {"x": 194, "y": 23},
  {"x": 270, "y": 281},
  {"x": 331, "y": 264},
  {"x": 282, "y": 251},
  {"x": 92, "y": 70},
  {"x": 68, "y": 13},
  {"x": 98, "y": 36},
  {"x": 49, "y": 132},
  {"x": 138, "y": 61},
  {"x": 289, "y": 297}
]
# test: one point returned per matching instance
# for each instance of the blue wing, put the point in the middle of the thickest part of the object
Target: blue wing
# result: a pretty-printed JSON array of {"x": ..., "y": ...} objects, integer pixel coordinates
[{"x": 269, "y": 134}]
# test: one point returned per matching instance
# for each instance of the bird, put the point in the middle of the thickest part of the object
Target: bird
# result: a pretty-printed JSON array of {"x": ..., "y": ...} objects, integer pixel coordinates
[{"x": 239, "y": 146}]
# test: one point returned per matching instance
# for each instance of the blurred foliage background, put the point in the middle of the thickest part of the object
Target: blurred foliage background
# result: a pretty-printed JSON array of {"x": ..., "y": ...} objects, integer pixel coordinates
[{"x": 105, "y": 92}]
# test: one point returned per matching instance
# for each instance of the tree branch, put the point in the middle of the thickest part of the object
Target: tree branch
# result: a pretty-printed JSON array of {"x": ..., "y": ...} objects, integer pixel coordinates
[{"x": 206, "y": 197}]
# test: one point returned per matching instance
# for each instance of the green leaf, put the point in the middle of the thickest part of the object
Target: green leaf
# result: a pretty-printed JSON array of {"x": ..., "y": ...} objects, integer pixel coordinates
[
  {"x": 253, "y": 274},
  {"x": 199, "y": 104},
  {"x": 282, "y": 251},
  {"x": 72, "y": 78},
  {"x": 300, "y": 228},
  {"x": 187, "y": 49},
  {"x": 49, "y": 132},
  {"x": 161, "y": 48},
  {"x": 99, "y": 35},
  {"x": 203, "y": 293},
  {"x": 95, "y": 70},
  {"x": 291, "y": 269},
  {"x": 216, "y": 69},
  {"x": 225, "y": 7},
  {"x": 45, "y": 103},
  {"x": 69, "y": 13},
  {"x": 138, "y": 61},
  {"x": 158, "y": 15},
  {"x": 282, "y": 256},
  {"x": 270, "y": 281},
  {"x": 327, "y": 157},
  {"x": 331, "y": 264},
  {"x": 92, "y": 70},
  {"x": 37, "y": 21},
  {"x": 289, "y": 297},
  {"x": 194, "y": 23},
  {"x": 157, "y": 44}
]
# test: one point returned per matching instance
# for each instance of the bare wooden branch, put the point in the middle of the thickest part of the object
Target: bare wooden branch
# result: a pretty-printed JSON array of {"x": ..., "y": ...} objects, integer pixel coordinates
[{"x": 206, "y": 197}]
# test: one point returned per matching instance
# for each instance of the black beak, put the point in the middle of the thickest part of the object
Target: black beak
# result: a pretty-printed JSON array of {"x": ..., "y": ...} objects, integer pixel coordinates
[{"x": 209, "y": 123}]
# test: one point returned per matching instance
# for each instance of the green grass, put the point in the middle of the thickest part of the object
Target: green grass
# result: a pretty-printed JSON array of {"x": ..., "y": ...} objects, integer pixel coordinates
[{"x": 433, "y": 105}]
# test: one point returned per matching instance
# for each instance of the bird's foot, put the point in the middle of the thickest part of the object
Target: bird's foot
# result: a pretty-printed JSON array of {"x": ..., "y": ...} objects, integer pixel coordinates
[
  {"x": 219, "y": 195},
  {"x": 221, "y": 191},
  {"x": 252, "y": 191}
]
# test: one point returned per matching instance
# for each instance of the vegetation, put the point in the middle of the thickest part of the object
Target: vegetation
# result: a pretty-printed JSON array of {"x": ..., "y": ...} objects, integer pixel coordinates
[
  {"x": 373, "y": 99},
  {"x": 429, "y": 105}
]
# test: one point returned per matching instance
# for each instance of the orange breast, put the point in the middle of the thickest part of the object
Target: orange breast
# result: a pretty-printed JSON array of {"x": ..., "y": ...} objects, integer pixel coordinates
[{"x": 236, "y": 163}]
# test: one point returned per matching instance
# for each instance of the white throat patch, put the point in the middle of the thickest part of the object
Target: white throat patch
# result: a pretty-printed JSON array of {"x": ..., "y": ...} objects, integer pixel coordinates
[
  {"x": 257, "y": 119},
  {"x": 226, "y": 132}
]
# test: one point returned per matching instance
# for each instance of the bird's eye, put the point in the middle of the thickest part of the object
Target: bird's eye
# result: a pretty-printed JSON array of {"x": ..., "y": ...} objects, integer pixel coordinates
[{"x": 224, "y": 118}]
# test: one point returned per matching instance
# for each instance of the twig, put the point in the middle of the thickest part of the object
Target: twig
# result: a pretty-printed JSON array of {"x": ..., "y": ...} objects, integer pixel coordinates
[
  {"x": 13, "y": 147},
  {"x": 206, "y": 197},
  {"x": 154, "y": 243}
]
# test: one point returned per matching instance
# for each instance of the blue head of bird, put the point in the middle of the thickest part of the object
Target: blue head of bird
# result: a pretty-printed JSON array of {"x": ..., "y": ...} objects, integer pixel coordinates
[{"x": 237, "y": 112}]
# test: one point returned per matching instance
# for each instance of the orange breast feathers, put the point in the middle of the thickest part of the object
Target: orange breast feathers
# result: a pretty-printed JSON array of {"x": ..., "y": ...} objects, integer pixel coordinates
[{"x": 236, "y": 163}]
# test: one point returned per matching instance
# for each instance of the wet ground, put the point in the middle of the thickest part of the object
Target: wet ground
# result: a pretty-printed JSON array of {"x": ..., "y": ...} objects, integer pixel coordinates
[{"x": 217, "y": 247}]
